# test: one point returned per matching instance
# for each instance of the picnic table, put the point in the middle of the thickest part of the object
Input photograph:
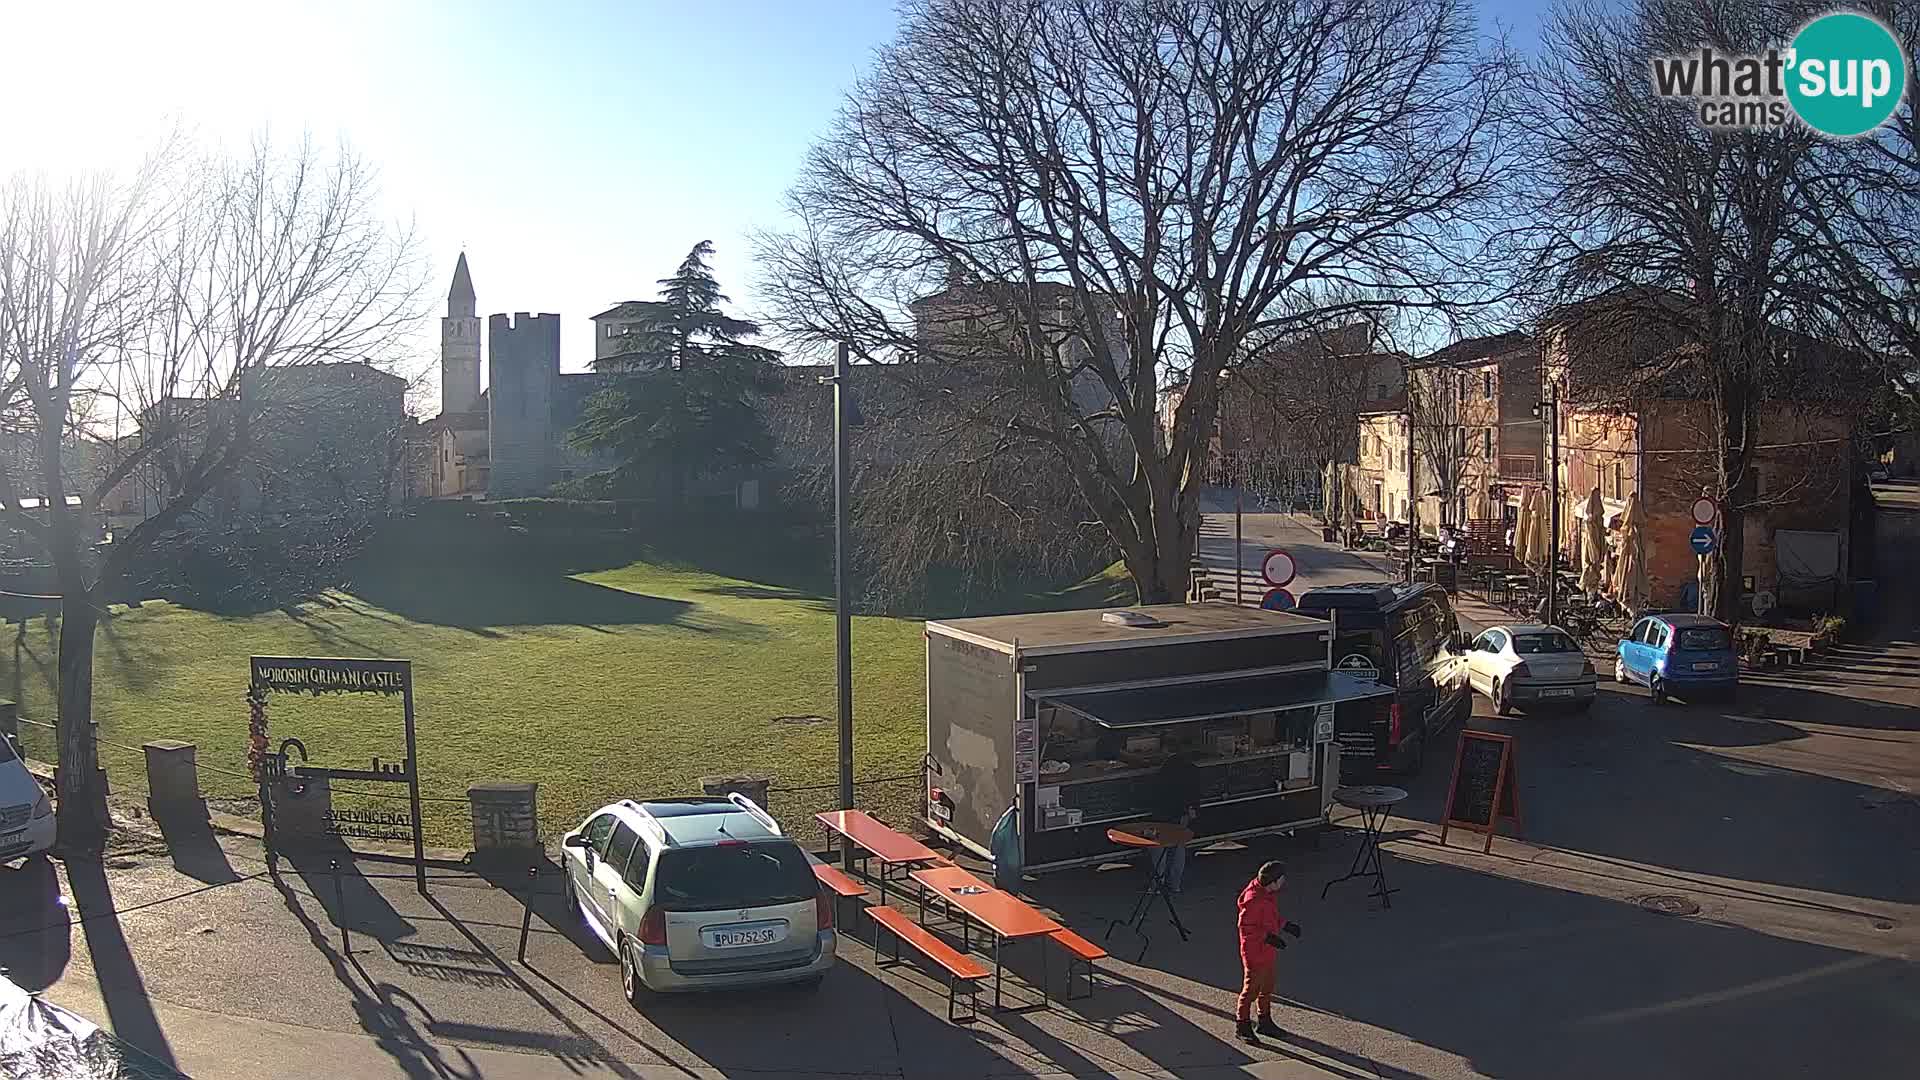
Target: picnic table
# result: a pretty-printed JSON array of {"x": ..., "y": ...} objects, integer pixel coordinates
[
  {"x": 892, "y": 848},
  {"x": 1004, "y": 915}
]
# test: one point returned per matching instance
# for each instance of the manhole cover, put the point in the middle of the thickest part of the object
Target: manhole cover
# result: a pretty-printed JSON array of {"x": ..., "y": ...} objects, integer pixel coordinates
[
  {"x": 1668, "y": 904},
  {"x": 799, "y": 719}
]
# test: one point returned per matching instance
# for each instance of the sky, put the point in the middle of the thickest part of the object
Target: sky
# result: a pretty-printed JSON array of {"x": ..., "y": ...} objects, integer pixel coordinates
[{"x": 575, "y": 150}]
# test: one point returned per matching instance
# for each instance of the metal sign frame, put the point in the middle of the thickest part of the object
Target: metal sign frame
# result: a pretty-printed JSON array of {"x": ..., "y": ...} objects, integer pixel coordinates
[{"x": 334, "y": 675}]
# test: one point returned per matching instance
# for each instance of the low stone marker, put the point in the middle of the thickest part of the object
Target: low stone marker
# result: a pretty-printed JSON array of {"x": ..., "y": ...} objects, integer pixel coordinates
[
  {"x": 506, "y": 819},
  {"x": 173, "y": 779},
  {"x": 753, "y": 787}
]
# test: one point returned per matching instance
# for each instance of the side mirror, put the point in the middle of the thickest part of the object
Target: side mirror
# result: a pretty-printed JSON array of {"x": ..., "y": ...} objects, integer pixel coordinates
[{"x": 578, "y": 840}]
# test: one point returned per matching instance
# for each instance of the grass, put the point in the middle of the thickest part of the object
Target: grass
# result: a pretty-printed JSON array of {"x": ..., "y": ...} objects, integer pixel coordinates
[{"x": 598, "y": 665}]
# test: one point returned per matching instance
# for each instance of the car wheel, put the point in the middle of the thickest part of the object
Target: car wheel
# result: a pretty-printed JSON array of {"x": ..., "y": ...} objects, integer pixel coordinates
[
  {"x": 1658, "y": 690},
  {"x": 1502, "y": 701},
  {"x": 573, "y": 900},
  {"x": 1619, "y": 672},
  {"x": 630, "y": 983}
]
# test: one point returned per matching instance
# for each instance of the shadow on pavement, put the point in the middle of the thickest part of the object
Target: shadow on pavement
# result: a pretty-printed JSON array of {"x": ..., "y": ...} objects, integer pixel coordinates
[
  {"x": 1517, "y": 979},
  {"x": 129, "y": 1009},
  {"x": 35, "y": 928},
  {"x": 195, "y": 849}
]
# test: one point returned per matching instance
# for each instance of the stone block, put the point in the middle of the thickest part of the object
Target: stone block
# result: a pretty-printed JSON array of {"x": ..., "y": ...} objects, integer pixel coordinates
[
  {"x": 173, "y": 778},
  {"x": 506, "y": 818},
  {"x": 753, "y": 787}
]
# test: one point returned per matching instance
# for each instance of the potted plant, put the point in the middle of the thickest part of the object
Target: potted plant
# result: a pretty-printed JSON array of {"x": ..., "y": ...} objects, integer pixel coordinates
[
  {"x": 1826, "y": 632},
  {"x": 1755, "y": 647}
]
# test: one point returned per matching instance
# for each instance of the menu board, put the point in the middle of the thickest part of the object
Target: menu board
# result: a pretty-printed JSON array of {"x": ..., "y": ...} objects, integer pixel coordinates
[{"x": 1482, "y": 790}]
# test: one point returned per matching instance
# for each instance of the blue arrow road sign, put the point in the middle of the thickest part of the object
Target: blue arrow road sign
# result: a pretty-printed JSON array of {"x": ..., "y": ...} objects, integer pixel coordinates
[{"x": 1703, "y": 540}]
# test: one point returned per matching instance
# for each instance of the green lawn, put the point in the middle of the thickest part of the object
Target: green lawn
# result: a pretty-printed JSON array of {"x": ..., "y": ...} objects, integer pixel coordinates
[{"x": 597, "y": 665}]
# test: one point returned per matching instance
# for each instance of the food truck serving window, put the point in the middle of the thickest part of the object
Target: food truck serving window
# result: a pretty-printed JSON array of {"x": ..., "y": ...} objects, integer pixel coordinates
[{"x": 1149, "y": 705}]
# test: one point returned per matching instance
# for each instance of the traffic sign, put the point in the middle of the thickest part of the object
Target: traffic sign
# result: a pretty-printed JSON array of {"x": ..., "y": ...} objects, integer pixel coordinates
[
  {"x": 1703, "y": 540},
  {"x": 1277, "y": 568},
  {"x": 1763, "y": 602},
  {"x": 1277, "y": 600},
  {"x": 1705, "y": 511}
]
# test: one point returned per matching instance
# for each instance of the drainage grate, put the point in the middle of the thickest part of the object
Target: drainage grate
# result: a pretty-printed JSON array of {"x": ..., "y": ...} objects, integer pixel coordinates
[{"x": 1667, "y": 904}]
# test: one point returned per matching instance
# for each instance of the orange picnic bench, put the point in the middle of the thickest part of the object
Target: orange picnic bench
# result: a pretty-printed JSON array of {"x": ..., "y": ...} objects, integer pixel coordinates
[{"x": 961, "y": 969}]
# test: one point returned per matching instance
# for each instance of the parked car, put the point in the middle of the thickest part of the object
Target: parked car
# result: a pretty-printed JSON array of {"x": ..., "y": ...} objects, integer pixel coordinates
[
  {"x": 26, "y": 815},
  {"x": 698, "y": 894},
  {"x": 1685, "y": 656},
  {"x": 1530, "y": 664},
  {"x": 1407, "y": 636}
]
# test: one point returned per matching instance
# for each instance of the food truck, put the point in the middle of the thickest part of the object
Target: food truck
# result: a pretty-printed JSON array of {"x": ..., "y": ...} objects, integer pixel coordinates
[{"x": 1069, "y": 715}]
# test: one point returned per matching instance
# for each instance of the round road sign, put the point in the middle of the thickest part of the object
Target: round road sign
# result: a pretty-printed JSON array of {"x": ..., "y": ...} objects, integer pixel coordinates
[
  {"x": 1277, "y": 568},
  {"x": 1763, "y": 602},
  {"x": 1705, "y": 510},
  {"x": 1277, "y": 600}
]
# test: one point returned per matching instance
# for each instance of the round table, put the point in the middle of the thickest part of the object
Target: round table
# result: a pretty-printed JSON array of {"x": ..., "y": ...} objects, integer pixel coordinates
[
  {"x": 1151, "y": 836},
  {"x": 1375, "y": 802}
]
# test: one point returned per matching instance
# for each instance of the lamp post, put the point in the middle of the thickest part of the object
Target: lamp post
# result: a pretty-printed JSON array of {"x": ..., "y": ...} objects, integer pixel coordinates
[{"x": 842, "y": 615}]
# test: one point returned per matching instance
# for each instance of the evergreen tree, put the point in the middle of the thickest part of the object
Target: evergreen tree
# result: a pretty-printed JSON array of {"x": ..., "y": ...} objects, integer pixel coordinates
[{"x": 684, "y": 400}]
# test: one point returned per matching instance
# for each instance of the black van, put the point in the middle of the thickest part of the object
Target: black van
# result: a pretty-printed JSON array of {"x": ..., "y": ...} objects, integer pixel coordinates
[{"x": 1407, "y": 636}]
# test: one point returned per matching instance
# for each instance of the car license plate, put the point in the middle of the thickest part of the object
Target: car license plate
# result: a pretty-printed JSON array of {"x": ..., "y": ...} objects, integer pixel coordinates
[
  {"x": 744, "y": 935},
  {"x": 1556, "y": 693},
  {"x": 1709, "y": 665}
]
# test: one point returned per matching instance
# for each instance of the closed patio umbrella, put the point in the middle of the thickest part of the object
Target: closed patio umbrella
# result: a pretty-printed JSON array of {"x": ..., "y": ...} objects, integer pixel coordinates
[
  {"x": 1593, "y": 547},
  {"x": 1523, "y": 526},
  {"x": 1630, "y": 573}
]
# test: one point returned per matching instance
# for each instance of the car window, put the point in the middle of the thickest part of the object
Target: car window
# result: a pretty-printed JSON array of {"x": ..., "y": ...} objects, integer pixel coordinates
[
  {"x": 1484, "y": 642},
  {"x": 733, "y": 876},
  {"x": 1657, "y": 635},
  {"x": 1496, "y": 641},
  {"x": 620, "y": 849},
  {"x": 1643, "y": 633},
  {"x": 1535, "y": 644},
  {"x": 1704, "y": 637},
  {"x": 597, "y": 832},
  {"x": 638, "y": 866}
]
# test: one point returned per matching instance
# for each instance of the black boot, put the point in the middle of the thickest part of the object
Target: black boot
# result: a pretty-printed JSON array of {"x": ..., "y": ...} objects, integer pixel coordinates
[
  {"x": 1269, "y": 1028},
  {"x": 1244, "y": 1030}
]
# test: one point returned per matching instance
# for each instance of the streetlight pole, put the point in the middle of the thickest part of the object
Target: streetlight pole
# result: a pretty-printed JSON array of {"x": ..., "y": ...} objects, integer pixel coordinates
[
  {"x": 842, "y": 615},
  {"x": 1413, "y": 500},
  {"x": 1552, "y": 411}
]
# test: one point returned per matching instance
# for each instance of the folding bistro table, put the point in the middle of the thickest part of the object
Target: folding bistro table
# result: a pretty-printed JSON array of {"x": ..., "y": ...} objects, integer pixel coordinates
[
  {"x": 1151, "y": 836},
  {"x": 892, "y": 848},
  {"x": 1003, "y": 914},
  {"x": 1375, "y": 802}
]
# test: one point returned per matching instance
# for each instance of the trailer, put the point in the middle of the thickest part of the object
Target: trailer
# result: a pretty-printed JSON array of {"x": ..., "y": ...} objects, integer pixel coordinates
[{"x": 1068, "y": 717}]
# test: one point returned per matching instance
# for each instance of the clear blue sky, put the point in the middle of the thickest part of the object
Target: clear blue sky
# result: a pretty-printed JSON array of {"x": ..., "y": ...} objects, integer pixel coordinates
[{"x": 576, "y": 150}]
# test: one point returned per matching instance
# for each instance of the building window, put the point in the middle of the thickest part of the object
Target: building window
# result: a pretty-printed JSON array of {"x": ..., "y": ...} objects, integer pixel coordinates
[
  {"x": 1486, "y": 443},
  {"x": 446, "y": 455},
  {"x": 1486, "y": 384},
  {"x": 1617, "y": 481}
]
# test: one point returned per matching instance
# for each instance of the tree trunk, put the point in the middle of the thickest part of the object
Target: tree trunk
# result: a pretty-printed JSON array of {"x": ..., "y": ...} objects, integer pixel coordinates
[{"x": 82, "y": 821}]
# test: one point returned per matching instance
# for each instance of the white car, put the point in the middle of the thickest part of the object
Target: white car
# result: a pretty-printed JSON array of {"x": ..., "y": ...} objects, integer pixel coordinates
[
  {"x": 700, "y": 893},
  {"x": 26, "y": 816},
  {"x": 1530, "y": 664}
]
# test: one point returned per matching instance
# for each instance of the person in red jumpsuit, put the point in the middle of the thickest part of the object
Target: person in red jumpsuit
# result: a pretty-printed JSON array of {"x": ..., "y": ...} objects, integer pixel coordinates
[{"x": 1260, "y": 945}]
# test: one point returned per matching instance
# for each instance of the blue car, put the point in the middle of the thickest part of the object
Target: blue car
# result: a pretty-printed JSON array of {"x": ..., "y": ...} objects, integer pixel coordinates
[{"x": 1684, "y": 656}]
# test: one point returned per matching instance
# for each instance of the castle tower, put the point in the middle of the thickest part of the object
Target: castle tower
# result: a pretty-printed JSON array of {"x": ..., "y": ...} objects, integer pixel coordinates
[
  {"x": 523, "y": 358},
  {"x": 460, "y": 345}
]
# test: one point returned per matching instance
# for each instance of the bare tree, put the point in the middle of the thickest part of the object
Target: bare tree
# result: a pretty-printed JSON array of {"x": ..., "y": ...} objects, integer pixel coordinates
[
  {"x": 1689, "y": 252},
  {"x": 1081, "y": 201},
  {"x": 144, "y": 315}
]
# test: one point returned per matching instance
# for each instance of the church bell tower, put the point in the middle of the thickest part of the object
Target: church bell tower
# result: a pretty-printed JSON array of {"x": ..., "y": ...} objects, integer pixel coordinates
[{"x": 460, "y": 345}]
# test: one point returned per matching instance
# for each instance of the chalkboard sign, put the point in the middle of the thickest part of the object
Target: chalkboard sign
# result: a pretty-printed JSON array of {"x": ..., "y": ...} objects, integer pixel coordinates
[{"x": 1483, "y": 780}]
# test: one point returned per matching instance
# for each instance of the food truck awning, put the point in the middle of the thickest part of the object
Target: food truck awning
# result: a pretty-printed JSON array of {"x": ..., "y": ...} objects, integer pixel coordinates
[{"x": 1210, "y": 699}]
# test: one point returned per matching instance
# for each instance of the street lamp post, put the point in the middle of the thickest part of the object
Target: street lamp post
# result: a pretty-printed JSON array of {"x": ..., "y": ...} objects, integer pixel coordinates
[{"x": 842, "y": 614}]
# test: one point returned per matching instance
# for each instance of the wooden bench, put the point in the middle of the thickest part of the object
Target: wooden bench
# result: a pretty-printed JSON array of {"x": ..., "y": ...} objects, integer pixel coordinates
[
  {"x": 960, "y": 968},
  {"x": 1079, "y": 951},
  {"x": 840, "y": 885}
]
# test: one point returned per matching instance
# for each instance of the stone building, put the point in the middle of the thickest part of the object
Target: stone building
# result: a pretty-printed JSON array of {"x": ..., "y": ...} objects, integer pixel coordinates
[{"x": 508, "y": 440}]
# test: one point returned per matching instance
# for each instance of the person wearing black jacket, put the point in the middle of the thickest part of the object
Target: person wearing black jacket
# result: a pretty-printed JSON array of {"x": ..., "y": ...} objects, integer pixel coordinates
[{"x": 1176, "y": 793}]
